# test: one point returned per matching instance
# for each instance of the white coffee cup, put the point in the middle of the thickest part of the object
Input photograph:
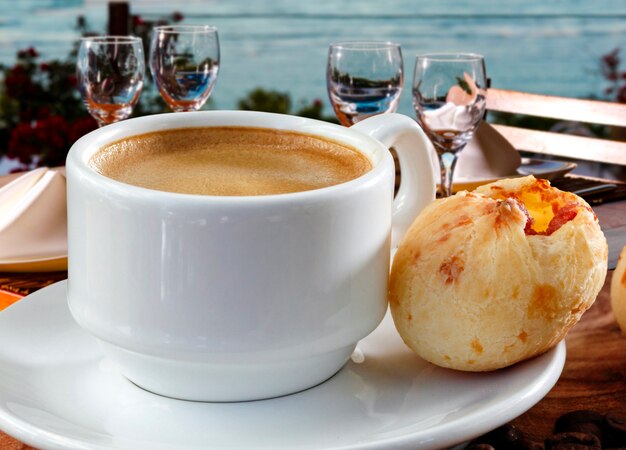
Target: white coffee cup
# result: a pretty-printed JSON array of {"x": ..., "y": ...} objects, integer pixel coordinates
[{"x": 239, "y": 298}]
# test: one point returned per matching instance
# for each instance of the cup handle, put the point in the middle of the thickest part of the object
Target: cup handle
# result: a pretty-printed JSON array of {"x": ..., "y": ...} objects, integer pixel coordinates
[{"x": 418, "y": 185}]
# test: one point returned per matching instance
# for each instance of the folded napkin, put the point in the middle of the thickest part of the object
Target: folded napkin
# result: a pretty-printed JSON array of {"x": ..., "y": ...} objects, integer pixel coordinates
[
  {"x": 486, "y": 157},
  {"x": 33, "y": 217},
  {"x": 449, "y": 117}
]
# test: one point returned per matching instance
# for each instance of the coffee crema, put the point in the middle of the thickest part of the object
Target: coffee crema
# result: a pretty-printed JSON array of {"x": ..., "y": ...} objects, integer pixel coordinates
[{"x": 229, "y": 161}]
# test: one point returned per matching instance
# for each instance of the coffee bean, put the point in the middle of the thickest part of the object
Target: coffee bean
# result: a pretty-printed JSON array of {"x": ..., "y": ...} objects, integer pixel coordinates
[
  {"x": 501, "y": 437},
  {"x": 616, "y": 420},
  {"x": 615, "y": 424},
  {"x": 567, "y": 420},
  {"x": 573, "y": 446},
  {"x": 526, "y": 444},
  {"x": 576, "y": 430},
  {"x": 582, "y": 427},
  {"x": 572, "y": 441}
]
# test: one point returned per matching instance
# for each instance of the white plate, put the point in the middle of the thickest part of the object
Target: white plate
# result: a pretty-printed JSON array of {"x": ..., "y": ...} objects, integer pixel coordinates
[
  {"x": 57, "y": 392},
  {"x": 540, "y": 168},
  {"x": 545, "y": 168}
]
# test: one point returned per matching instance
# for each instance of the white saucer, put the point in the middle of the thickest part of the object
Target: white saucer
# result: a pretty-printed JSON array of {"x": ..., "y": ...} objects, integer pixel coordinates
[
  {"x": 544, "y": 168},
  {"x": 540, "y": 168},
  {"x": 57, "y": 392}
]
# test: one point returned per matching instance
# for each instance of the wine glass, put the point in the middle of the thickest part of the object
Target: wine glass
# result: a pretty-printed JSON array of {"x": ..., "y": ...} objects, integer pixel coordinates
[
  {"x": 110, "y": 71},
  {"x": 185, "y": 60},
  {"x": 364, "y": 79},
  {"x": 449, "y": 96}
]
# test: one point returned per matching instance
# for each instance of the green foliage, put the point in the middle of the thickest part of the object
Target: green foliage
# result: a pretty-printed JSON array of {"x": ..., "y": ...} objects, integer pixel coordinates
[
  {"x": 260, "y": 99},
  {"x": 268, "y": 101}
]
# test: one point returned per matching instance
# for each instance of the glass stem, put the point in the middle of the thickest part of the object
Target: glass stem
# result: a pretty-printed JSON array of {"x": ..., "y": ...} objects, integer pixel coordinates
[{"x": 447, "y": 163}]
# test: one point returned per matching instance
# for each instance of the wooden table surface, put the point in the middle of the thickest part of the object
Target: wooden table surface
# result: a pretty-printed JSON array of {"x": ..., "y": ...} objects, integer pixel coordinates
[{"x": 594, "y": 376}]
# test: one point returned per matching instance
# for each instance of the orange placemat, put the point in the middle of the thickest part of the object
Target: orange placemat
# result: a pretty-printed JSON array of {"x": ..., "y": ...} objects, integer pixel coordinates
[
  {"x": 14, "y": 286},
  {"x": 8, "y": 443}
]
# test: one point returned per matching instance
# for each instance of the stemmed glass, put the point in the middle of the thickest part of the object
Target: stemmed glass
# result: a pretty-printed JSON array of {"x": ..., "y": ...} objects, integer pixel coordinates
[
  {"x": 364, "y": 79},
  {"x": 110, "y": 71},
  {"x": 449, "y": 96},
  {"x": 185, "y": 60}
]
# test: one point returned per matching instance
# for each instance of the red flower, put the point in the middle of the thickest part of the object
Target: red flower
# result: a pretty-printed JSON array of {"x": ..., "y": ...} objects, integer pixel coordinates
[
  {"x": 58, "y": 128},
  {"x": 18, "y": 83},
  {"x": 611, "y": 60},
  {"x": 177, "y": 16},
  {"x": 621, "y": 95},
  {"x": 30, "y": 52},
  {"x": 25, "y": 115},
  {"x": 22, "y": 145},
  {"x": 53, "y": 134},
  {"x": 43, "y": 112},
  {"x": 47, "y": 138},
  {"x": 81, "y": 127},
  {"x": 40, "y": 131},
  {"x": 44, "y": 67},
  {"x": 19, "y": 169},
  {"x": 137, "y": 20},
  {"x": 610, "y": 70}
]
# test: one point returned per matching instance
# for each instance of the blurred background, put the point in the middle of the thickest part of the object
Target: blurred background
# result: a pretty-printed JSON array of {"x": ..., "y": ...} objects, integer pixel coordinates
[{"x": 273, "y": 54}]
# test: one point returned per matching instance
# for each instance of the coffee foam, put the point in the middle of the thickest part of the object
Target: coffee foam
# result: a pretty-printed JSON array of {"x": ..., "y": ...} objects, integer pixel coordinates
[{"x": 229, "y": 161}]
